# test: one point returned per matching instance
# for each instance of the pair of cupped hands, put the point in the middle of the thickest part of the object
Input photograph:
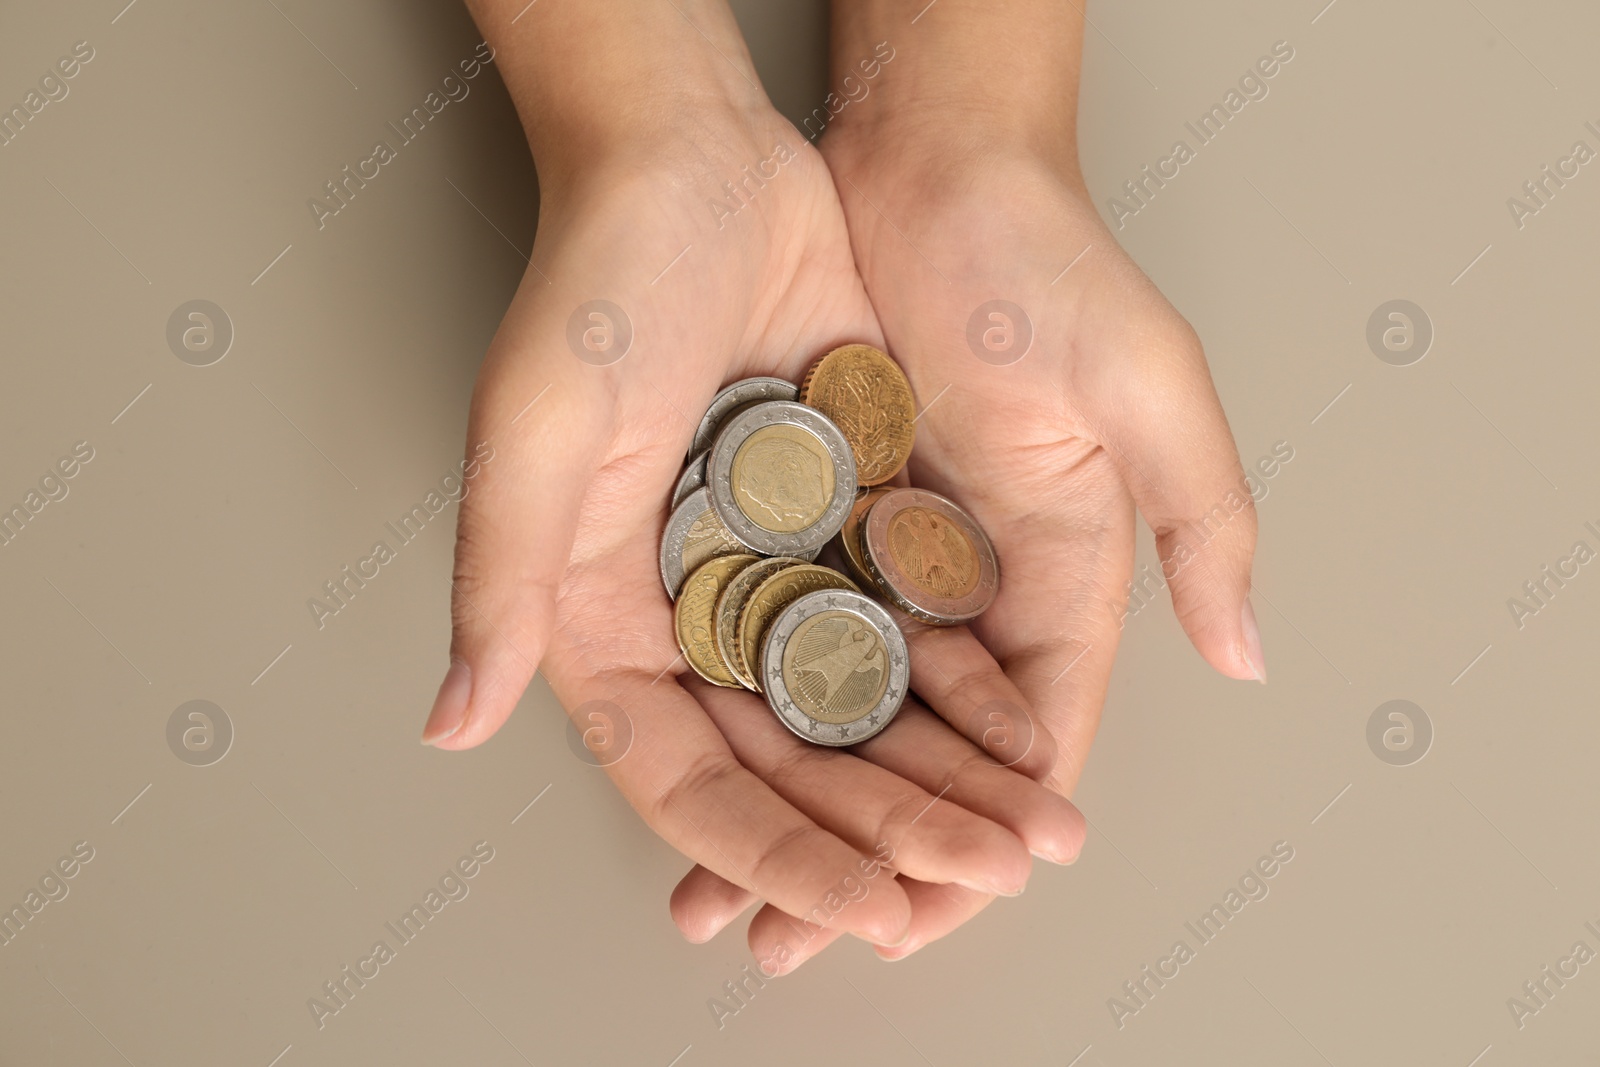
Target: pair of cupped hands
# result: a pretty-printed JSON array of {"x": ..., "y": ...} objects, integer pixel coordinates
[{"x": 894, "y": 233}]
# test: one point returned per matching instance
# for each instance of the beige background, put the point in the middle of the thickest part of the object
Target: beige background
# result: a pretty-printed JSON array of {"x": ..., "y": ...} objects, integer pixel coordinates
[{"x": 179, "y": 565}]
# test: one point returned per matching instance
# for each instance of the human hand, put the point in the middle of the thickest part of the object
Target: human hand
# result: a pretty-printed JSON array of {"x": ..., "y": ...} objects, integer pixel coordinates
[
  {"x": 1091, "y": 395},
  {"x": 557, "y": 539},
  {"x": 1051, "y": 445}
]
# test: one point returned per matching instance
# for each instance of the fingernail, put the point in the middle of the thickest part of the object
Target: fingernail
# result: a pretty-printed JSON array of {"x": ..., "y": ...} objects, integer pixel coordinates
[
  {"x": 1253, "y": 656},
  {"x": 450, "y": 706},
  {"x": 992, "y": 890},
  {"x": 895, "y": 957},
  {"x": 1069, "y": 861},
  {"x": 897, "y": 942}
]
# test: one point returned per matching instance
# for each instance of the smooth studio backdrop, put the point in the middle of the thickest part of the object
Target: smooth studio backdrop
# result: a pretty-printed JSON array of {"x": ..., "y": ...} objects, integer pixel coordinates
[{"x": 1425, "y": 471}]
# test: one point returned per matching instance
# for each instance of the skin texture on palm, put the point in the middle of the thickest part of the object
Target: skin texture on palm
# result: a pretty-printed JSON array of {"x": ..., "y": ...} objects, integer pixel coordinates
[
  {"x": 555, "y": 564},
  {"x": 960, "y": 189}
]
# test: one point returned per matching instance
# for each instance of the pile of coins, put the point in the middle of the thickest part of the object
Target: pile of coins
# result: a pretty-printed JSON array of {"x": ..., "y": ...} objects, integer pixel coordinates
[{"x": 776, "y": 476}]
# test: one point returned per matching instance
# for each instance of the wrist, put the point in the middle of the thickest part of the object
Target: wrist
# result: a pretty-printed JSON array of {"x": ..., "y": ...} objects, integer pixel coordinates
[
  {"x": 685, "y": 130},
  {"x": 957, "y": 91},
  {"x": 608, "y": 84}
]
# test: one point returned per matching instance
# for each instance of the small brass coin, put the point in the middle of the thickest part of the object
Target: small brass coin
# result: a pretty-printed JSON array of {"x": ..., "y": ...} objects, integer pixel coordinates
[
  {"x": 772, "y": 596},
  {"x": 693, "y": 617},
  {"x": 867, "y": 396},
  {"x": 850, "y": 534},
  {"x": 731, "y": 602}
]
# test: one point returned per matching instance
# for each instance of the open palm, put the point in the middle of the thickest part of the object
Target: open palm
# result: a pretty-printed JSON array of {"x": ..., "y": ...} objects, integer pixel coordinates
[
  {"x": 557, "y": 542},
  {"x": 1062, "y": 391}
]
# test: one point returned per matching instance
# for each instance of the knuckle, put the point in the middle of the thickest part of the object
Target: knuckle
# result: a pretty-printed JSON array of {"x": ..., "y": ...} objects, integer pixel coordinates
[
  {"x": 801, "y": 837},
  {"x": 895, "y": 823},
  {"x": 702, "y": 775},
  {"x": 970, "y": 764},
  {"x": 792, "y": 766}
]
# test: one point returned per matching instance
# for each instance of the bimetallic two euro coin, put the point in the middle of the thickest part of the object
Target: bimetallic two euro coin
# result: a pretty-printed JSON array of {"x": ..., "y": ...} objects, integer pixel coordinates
[
  {"x": 834, "y": 667},
  {"x": 734, "y": 398},
  {"x": 850, "y": 534},
  {"x": 782, "y": 478},
  {"x": 693, "y": 616},
  {"x": 692, "y": 478},
  {"x": 731, "y": 601},
  {"x": 867, "y": 396},
  {"x": 771, "y": 596},
  {"x": 693, "y": 535},
  {"x": 929, "y": 557}
]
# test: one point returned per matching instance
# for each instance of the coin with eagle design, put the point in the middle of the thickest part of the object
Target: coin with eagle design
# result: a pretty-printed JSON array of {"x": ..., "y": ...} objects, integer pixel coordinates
[
  {"x": 770, "y": 597},
  {"x": 835, "y": 668},
  {"x": 929, "y": 557}
]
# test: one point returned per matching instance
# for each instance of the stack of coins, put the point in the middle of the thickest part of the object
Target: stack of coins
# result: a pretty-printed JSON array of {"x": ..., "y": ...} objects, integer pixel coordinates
[{"x": 774, "y": 475}]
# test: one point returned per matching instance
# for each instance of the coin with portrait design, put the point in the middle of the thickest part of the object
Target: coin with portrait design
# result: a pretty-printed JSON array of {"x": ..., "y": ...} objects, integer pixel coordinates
[{"x": 782, "y": 478}]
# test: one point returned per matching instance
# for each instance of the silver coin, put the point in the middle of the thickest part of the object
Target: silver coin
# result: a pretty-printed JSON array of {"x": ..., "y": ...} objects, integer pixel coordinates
[
  {"x": 834, "y": 667},
  {"x": 693, "y": 535},
  {"x": 692, "y": 478},
  {"x": 783, "y": 483},
  {"x": 740, "y": 394}
]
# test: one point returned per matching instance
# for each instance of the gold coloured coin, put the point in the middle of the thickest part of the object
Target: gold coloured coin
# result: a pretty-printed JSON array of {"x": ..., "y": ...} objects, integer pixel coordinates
[
  {"x": 782, "y": 478},
  {"x": 867, "y": 395},
  {"x": 772, "y": 596},
  {"x": 729, "y": 604},
  {"x": 836, "y": 667},
  {"x": 693, "y": 617},
  {"x": 850, "y": 534}
]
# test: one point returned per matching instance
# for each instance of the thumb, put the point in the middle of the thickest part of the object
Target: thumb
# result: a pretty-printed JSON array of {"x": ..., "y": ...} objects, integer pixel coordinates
[
  {"x": 514, "y": 537},
  {"x": 1177, "y": 457}
]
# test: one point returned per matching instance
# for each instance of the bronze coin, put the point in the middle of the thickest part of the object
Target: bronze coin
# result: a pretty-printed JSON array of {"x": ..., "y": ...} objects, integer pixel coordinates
[
  {"x": 867, "y": 396},
  {"x": 730, "y": 602},
  {"x": 850, "y": 534},
  {"x": 693, "y": 617},
  {"x": 772, "y": 596}
]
